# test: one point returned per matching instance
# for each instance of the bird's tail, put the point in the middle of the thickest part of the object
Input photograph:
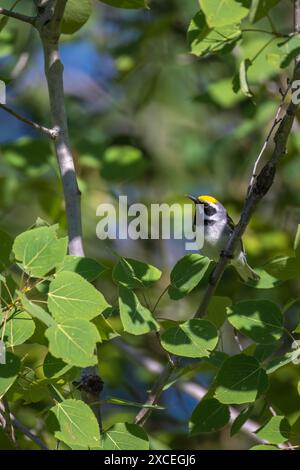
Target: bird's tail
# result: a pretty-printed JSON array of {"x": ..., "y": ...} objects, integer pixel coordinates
[{"x": 244, "y": 270}]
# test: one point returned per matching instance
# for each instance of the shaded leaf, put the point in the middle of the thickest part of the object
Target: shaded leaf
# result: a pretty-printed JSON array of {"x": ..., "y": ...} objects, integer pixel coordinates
[
  {"x": 240, "y": 420},
  {"x": 6, "y": 243},
  {"x": 186, "y": 275},
  {"x": 136, "y": 319},
  {"x": 203, "y": 40},
  {"x": 8, "y": 372},
  {"x": 208, "y": 416},
  {"x": 240, "y": 380},
  {"x": 194, "y": 338},
  {"x": 260, "y": 320},
  {"x": 88, "y": 268},
  {"x": 284, "y": 268},
  {"x": 130, "y": 4},
  {"x": 133, "y": 274},
  {"x": 76, "y": 15}
]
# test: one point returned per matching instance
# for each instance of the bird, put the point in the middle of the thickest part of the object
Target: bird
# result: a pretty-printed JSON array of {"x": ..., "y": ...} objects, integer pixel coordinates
[{"x": 218, "y": 227}]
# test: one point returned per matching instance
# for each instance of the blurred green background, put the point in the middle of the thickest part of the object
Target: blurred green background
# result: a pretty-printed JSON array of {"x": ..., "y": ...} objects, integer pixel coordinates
[{"x": 176, "y": 126}]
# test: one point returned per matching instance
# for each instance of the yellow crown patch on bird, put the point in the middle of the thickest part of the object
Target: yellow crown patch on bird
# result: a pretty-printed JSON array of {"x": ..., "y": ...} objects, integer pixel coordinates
[{"x": 211, "y": 199}]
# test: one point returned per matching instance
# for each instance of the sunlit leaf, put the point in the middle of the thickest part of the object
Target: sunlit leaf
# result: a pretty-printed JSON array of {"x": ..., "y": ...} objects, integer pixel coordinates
[
  {"x": 75, "y": 424},
  {"x": 74, "y": 341},
  {"x": 125, "y": 436},
  {"x": 39, "y": 250},
  {"x": 18, "y": 328},
  {"x": 71, "y": 296},
  {"x": 275, "y": 431},
  {"x": 224, "y": 12}
]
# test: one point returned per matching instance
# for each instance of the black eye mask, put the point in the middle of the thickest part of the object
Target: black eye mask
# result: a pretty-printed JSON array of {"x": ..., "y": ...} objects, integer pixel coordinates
[{"x": 209, "y": 210}]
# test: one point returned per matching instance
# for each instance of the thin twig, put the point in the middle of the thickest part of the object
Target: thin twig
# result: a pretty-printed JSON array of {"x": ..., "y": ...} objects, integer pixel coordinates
[
  {"x": 21, "y": 427},
  {"x": 18, "y": 16},
  {"x": 191, "y": 388},
  {"x": 154, "y": 395},
  {"x": 52, "y": 133},
  {"x": 17, "y": 424}
]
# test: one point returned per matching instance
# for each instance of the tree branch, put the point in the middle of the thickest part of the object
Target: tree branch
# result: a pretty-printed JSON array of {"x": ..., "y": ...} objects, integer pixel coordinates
[
  {"x": 191, "y": 388},
  {"x": 50, "y": 33},
  {"x": 259, "y": 185},
  {"x": 18, "y": 16},
  {"x": 11, "y": 420},
  {"x": 52, "y": 133}
]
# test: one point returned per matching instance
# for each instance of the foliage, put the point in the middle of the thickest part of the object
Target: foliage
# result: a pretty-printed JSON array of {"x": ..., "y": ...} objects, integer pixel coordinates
[{"x": 168, "y": 122}]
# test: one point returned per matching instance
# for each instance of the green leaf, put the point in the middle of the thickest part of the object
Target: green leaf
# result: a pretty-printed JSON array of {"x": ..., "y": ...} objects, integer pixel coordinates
[
  {"x": 264, "y": 447},
  {"x": 105, "y": 329},
  {"x": 284, "y": 268},
  {"x": 260, "y": 320},
  {"x": 136, "y": 319},
  {"x": 194, "y": 338},
  {"x": 76, "y": 15},
  {"x": 35, "y": 310},
  {"x": 133, "y": 274},
  {"x": 208, "y": 416},
  {"x": 85, "y": 267},
  {"x": 222, "y": 93},
  {"x": 224, "y": 12},
  {"x": 74, "y": 341},
  {"x": 19, "y": 327},
  {"x": 243, "y": 78},
  {"x": 186, "y": 274},
  {"x": 216, "y": 312},
  {"x": 130, "y": 4},
  {"x": 260, "y": 9},
  {"x": 39, "y": 250},
  {"x": 71, "y": 296},
  {"x": 6, "y": 243},
  {"x": 125, "y": 436},
  {"x": 240, "y": 420},
  {"x": 122, "y": 162},
  {"x": 287, "y": 358},
  {"x": 76, "y": 424},
  {"x": 296, "y": 243},
  {"x": 275, "y": 431},
  {"x": 54, "y": 367},
  {"x": 204, "y": 40},
  {"x": 119, "y": 401},
  {"x": 266, "y": 281},
  {"x": 240, "y": 380},
  {"x": 8, "y": 372}
]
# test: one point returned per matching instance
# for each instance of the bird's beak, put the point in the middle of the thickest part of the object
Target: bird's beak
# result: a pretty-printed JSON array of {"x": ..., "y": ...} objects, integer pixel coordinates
[{"x": 193, "y": 198}]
